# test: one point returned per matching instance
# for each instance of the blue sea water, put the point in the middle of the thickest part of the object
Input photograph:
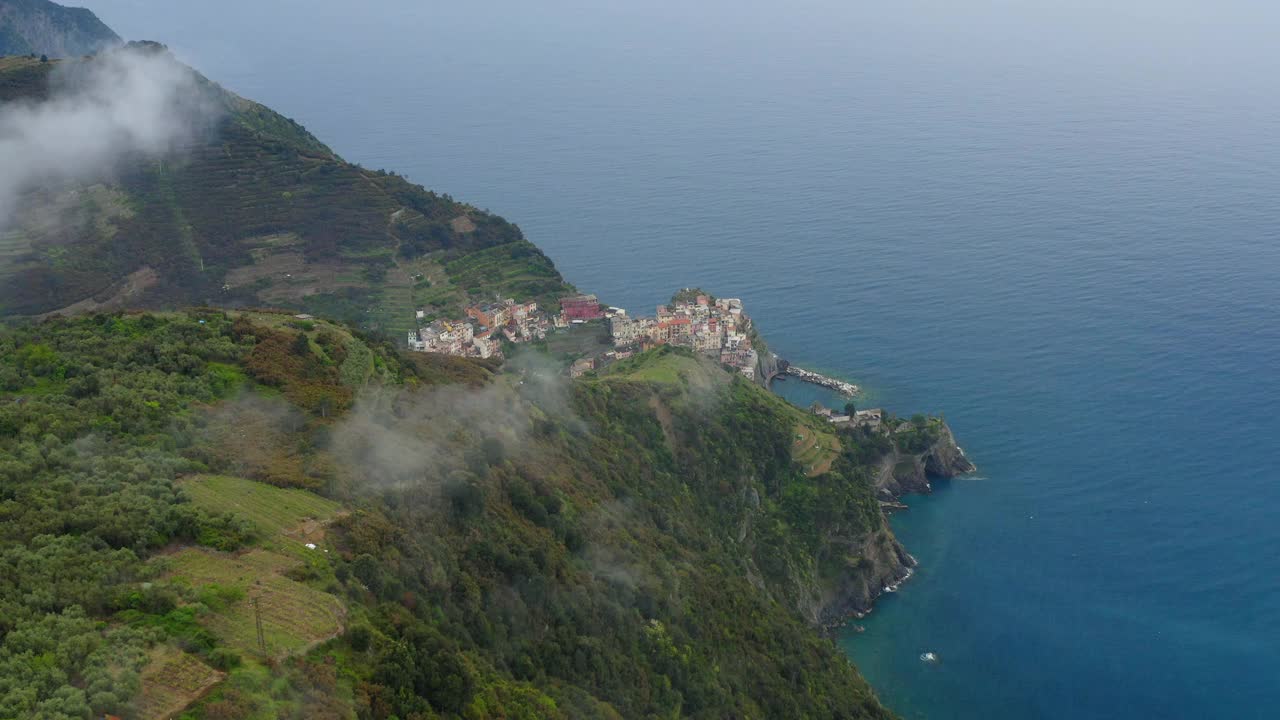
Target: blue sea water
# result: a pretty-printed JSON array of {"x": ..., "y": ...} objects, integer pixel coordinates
[{"x": 1054, "y": 222}]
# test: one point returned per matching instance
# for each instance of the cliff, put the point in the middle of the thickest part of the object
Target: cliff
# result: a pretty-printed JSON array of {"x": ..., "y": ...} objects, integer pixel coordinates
[
  {"x": 46, "y": 28},
  {"x": 921, "y": 452},
  {"x": 767, "y": 366},
  {"x": 917, "y": 454}
]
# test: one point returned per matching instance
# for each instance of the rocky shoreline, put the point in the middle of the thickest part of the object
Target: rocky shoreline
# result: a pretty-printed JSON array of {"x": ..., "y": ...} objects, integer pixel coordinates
[
  {"x": 887, "y": 564},
  {"x": 883, "y": 564}
]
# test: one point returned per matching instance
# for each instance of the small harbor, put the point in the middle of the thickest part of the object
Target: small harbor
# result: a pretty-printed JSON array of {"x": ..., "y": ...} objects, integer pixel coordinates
[{"x": 847, "y": 389}]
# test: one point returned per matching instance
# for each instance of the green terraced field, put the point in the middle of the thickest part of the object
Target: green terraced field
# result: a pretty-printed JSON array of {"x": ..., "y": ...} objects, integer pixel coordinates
[
  {"x": 294, "y": 616},
  {"x": 261, "y": 186},
  {"x": 171, "y": 681},
  {"x": 13, "y": 245},
  {"x": 395, "y": 315},
  {"x": 274, "y": 510},
  {"x": 287, "y": 518}
]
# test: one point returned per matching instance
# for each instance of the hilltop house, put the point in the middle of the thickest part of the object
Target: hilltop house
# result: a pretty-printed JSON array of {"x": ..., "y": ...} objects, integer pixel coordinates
[
  {"x": 582, "y": 367},
  {"x": 871, "y": 418}
]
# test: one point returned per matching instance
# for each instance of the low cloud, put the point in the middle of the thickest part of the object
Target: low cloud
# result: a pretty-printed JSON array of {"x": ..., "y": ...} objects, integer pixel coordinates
[
  {"x": 126, "y": 102},
  {"x": 419, "y": 440},
  {"x": 256, "y": 437}
]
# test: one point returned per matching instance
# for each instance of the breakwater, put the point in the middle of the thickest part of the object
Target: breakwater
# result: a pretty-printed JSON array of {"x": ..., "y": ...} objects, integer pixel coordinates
[{"x": 840, "y": 386}]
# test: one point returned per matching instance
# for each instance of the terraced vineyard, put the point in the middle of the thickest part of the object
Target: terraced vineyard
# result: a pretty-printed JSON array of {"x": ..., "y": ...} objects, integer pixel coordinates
[
  {"x": 208, "y": 221},
  {"x": 396, "y": 308},
  {"x": 172, "y": 680},
  {"x": 517, "y": 270},
  {"x": 13, "y": 245},
  {"x": 294, "y": 616},
  {"x": 286, "y": 518},
  {"x": 22, "y": 77},
  {"x": 815, "y": 450},
  {"x": 251, "y": 586}
]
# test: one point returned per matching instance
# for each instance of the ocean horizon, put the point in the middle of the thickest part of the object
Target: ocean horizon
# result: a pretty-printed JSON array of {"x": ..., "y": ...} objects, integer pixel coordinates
[{"x": 1056, "y": 226}]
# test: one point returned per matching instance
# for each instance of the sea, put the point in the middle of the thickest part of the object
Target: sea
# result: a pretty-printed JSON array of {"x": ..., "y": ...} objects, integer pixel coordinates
[{"x": 1056, "y": 223}]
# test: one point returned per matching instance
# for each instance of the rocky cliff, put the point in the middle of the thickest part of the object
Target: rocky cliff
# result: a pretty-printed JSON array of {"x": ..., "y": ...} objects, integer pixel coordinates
[
  {"x": 919, "y": 454},
  {"x": 902, "y": 472},
  {"x": 46, "y": 28},
  {"x": 767, "y": 366}
]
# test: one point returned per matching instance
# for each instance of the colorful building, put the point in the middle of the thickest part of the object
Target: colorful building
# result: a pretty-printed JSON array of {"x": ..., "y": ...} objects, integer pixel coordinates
[{"x": 581, "y": 307}]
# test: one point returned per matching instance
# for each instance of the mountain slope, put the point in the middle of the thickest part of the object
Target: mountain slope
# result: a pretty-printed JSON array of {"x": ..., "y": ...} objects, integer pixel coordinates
[
  {"x": 251, "y": 210},
  {"x": 46, "y": 28},
  {"x": 243, "y": 514},
  {"x": 495, "y": 542}
]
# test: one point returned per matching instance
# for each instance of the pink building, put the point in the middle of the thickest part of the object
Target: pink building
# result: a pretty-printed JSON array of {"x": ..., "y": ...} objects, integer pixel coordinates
[{"x": 581, "y": 307}]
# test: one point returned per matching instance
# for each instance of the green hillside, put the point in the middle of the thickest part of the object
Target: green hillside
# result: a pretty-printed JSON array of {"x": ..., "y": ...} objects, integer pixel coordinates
[
  {"x": 420, "y": 537},
  {"x": 211, "y": 508},
  {"x": 256, "y": 213}
]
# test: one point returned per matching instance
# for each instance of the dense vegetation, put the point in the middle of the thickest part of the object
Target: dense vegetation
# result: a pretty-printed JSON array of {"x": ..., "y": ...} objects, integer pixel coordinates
[
  {"x": 256, "y": 212},
  {"x": 220, "y": 514},
  {"x": 513, "y": 545}
]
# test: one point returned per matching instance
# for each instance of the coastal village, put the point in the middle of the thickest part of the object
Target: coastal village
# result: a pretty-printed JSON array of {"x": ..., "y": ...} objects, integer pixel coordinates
[
  {"x": 718, "y": 328},
  {"x": 481, "y": 332}
]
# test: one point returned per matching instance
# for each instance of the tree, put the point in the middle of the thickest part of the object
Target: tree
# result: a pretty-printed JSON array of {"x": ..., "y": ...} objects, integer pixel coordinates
[
  {"x": 850, "y": 409},
  {"x": 44, "y": 58}
]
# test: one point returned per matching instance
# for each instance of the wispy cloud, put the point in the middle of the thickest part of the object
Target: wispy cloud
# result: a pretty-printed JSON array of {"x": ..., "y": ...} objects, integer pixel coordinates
[{"x": 122, "y": 103}]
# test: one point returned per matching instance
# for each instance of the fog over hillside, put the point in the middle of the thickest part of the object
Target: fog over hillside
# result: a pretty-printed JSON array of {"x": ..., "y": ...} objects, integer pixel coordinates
[{"x": 127, "y": 101}]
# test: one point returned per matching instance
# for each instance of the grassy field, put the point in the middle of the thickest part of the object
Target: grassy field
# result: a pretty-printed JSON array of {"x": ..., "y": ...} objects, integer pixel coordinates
[
  {"x": 294, "y": 616},
  {"x": 286, "y": 319},
  {"x": 22, "y": 77},
  {"x": 814, "y": 450},
  {"x": 238, "y": 588},
  {"x": 433, "y": 290},
  {"x": 669, "y": 366},
  {"x": 286, "y": 517},
  {"x": 395, "y": 315},
  {"x": 274, "y": 510},
  {"x": 171, "y": 681},
  {"x": 270, "y": 701}
]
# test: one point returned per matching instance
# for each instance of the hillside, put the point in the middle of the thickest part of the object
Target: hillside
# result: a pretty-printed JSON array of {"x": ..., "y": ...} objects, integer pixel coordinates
[
  {"x": 214, "y": 507},
  {"x": 420, "y": 536},
  {"x": 45, "y": 28},
  {"x": 249, "y": 210}
]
